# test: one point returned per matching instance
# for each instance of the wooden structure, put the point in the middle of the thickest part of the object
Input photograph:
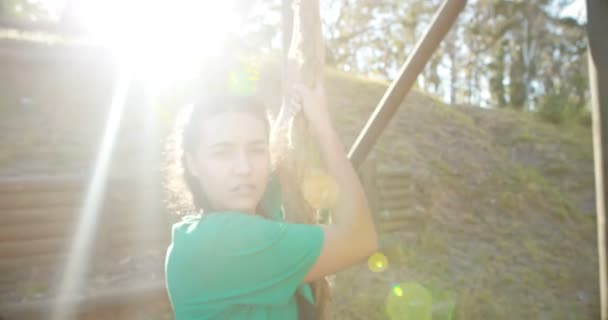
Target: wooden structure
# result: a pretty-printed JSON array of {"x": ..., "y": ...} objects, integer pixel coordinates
[
  {"x": 391, "y": 197},
  {"x": 597, "y": 24},
  {"x": 38, "y": 216}
]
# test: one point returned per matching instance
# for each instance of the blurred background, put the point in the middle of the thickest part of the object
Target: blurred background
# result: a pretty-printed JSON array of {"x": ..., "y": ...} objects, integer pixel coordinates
[{"x": 482, "y": 184}]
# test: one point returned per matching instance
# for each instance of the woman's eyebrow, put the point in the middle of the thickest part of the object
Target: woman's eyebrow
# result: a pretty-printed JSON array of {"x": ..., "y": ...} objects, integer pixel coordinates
[
  {"x": 226, "y": 144},
  {"x": 222, "y": 144},
  {"x": 258, "y": 142}
]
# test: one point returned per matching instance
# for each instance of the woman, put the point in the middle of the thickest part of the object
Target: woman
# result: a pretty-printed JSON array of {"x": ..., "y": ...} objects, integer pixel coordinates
[{"x": 237, "y": 259}]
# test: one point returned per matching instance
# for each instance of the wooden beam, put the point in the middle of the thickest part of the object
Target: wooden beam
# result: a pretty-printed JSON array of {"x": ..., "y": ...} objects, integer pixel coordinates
[
  {"x": 597, "y": 24},
  {"x": 303, "y": 64},
  {"x": 442, "y": 22}
]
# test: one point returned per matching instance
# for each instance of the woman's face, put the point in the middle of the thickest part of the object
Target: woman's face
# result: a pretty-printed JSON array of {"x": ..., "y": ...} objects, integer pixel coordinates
[{"x": 232, "y": 161}]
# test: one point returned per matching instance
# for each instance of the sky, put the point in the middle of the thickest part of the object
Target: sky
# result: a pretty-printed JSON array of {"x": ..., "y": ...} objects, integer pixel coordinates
[{"x": 576, "y": 10}]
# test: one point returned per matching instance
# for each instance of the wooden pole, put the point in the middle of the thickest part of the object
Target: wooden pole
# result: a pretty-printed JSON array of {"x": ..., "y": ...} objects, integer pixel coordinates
[
  {"x": 287, "y": 29},
  {"x": 597, "y": 24},
  {"x": 303, "y": 64}
]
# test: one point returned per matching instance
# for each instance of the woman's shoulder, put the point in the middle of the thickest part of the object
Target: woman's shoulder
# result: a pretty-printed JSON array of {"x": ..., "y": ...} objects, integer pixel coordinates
[
  {"x": 227, "y": 233},
  {"x": 217, "y": 224}
]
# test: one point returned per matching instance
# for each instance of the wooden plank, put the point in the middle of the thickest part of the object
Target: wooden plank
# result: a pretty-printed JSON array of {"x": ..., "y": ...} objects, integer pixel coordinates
[
  {"x": 36, "y": 215},
  {"x": 393, "y": 181},
  {"x": 66, "y": 198},
  {"x": 399, "y": 190},
  {"x": 133, "y": 210},
  {"x": 396, "y": 205},
  {"x": 404, "y": 214},
  {"x": 114, "y": 297},
  {"x": 14, "y": 249},
  {"x": 18, "y": 216},
  {"x": 397, "y": 195},
  {"x": 62, "y": 182},
  {"x": 395, "y": 225},
  {"x": 20, "y": 232},
  {"x": 138, "y": 238},
  {"x": 48, "y": 260},
  {"x": 395, "y": 200},
  {"x": 392, "y": 173},
  {"x": 135, "y": 249},
  {"x": 393, "y": 184},
  {"x": 40, "y": 199},
  {"x": 40, "y": 183},
  {"x": 391, "y": 226},
  {"x": 59, "y": 253},
  {"x": 115, "y": 222},
  {"x": 118, "y": 253},
  {"x": 27, "y": 240},
  {"x": 54, "y": 261},
  {"x": 58, "y": 245}
]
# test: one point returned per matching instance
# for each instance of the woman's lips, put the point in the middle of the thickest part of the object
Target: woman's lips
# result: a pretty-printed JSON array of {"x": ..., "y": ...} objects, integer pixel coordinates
[{"x": 244, "y": 189}]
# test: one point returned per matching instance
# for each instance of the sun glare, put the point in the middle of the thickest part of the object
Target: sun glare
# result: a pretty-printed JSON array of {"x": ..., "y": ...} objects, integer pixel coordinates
[
  {"x": 162, "y": 39},
  {"x": 82, "y": 242},
  {"x": 158, "y": 41}
]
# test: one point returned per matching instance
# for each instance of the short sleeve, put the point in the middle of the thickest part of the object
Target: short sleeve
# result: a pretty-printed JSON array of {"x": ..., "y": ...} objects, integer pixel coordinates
[{"x": 260, "y": 261}]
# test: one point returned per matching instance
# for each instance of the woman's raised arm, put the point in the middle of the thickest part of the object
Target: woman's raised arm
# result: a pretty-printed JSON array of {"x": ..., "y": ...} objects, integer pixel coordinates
[{"x": 352, "y": 237}]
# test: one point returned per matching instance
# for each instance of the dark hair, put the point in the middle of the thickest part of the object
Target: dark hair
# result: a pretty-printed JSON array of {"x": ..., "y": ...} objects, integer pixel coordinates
[{"x": 202, "y": 109}]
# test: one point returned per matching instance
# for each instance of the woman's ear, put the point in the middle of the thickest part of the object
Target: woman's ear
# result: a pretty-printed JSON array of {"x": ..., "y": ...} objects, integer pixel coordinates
[{"x": 191, "y": 165}]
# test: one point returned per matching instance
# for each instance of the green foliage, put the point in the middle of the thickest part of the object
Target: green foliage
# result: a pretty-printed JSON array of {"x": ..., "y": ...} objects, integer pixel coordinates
[
  {"x": 495, "y": 42},
  {"x": 430, "y": 241},
  {"x": 517, "y": 82},
  {"x": 497, "y": 70},
  {"x": 558, "y": 109},
  {"x": 442, "y": 167}
]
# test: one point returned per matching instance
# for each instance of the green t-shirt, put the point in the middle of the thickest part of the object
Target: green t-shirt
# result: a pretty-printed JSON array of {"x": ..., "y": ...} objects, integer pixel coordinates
[{"x": 231, "y": 265}]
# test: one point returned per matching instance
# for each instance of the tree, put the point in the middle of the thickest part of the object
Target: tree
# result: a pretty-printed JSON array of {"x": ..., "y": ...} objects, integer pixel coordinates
[{"x": 517, "y": 47}]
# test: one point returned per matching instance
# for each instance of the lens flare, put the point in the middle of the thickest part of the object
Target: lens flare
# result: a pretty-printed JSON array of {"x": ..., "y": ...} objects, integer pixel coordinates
[
  {"x": 377, "y": 262},
  {"x": 409, "y": 301},
  {"x": 398, "y": 291},
  {"x": 319, "y": 189},
  {"x": 78, "y": 263}
]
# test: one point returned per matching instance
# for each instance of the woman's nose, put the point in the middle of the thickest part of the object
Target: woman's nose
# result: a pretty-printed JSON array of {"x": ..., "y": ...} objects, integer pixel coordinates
[{"x": 242, "y": 165}]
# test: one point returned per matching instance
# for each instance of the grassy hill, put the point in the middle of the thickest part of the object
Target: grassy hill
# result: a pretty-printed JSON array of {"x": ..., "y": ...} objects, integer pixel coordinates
[
  {"x": 510, "y": 230},
  {"x": 508, "y": 200}
]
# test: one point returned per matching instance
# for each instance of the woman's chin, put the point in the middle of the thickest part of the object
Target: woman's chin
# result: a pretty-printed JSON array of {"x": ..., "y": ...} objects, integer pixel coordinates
[
  {"x": 240, "y": 203},
  {"x": 243, "y": 206}
]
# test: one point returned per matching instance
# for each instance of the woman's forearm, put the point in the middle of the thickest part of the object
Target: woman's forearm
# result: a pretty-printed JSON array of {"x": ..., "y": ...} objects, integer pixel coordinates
[{"x": 351, "y": 208}]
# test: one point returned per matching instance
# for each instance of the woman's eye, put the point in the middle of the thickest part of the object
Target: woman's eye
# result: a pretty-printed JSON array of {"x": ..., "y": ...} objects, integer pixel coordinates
[
  {"x": 220, "y": 153},
  {"x": 259, "y": 150}
]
